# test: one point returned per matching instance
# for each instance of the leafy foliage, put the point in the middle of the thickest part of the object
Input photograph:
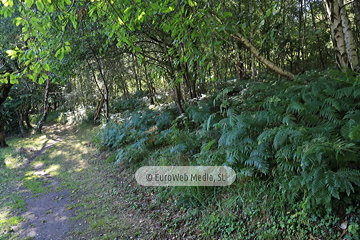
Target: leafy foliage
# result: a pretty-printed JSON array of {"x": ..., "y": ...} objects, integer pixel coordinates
[
  {"x": 303, "y": 135},
  {"x": 300, "y": 134}
]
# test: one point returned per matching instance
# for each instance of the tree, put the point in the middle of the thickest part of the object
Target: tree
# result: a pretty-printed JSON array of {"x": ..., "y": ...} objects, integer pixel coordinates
[
  {"x": 342, "y": 35},
  {"x": 5, "y": 89}
]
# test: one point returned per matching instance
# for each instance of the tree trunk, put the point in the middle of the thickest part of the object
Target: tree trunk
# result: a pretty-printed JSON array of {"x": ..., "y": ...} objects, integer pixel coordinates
[
  {"x": 178, "y": 98},
  {"x": 261, "y": 58},
  {"x": 317, "y": 36},
  {"x": 342, "y": 35},
  {"x": 2, "y": 132},
  {"x": 26, "y": 116},
  {"x": 42, "y": 120},
  {"x": 5, "y": 89},
  {"x": 149, "y": 85},
  {"x": 98, "y": 110},
  {"x": 251, "y": 41},
  {"x": 21, "y": 122},
  {"x": 356, "y": 6},
  {"x": 137, "y": 79}
]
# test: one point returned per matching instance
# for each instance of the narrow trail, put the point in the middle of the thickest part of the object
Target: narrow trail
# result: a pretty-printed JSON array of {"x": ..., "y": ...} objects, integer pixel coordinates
[
  {"x": 71, "y": 192},
  {"x": 48, "y": 216}
]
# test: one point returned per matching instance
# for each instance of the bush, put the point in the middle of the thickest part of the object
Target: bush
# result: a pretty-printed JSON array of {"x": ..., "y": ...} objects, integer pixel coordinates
[
  {"x": 305, "y": 134},
  {"x": 135, "y": 133},
  {"x": 302, "y": 136}
]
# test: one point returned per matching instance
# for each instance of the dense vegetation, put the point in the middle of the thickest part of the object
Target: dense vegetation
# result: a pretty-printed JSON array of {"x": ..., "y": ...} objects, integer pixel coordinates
[{"x": 270, "y": 88}]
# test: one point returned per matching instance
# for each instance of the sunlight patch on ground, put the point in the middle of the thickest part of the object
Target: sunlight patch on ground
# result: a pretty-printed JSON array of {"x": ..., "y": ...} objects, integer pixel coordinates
[
  {"x": 55, "y": 153},
  {"x": 3, "y": 214},
  {"x": 13, "y": 162},
  {"x": 7, "y": 222},
  {"x": 30, "y": 175},
  {"x": 34, "y": 163},
  {"x": 53, "y": 170},
  {"x": 22, "y": 149}
]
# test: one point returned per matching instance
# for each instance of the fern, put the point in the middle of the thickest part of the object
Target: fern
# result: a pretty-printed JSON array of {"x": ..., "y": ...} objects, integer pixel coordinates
[
  {"x": 259, "y": 164},
  {"x": 302, "y": 135}
]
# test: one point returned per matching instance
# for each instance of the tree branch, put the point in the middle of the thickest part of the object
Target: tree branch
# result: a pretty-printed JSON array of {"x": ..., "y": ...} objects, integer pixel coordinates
[{"x": 261, "y": 58}]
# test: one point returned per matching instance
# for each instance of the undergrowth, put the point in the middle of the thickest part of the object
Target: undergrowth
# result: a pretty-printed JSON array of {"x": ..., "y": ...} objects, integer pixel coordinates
[{"x": 294, "y": 146}]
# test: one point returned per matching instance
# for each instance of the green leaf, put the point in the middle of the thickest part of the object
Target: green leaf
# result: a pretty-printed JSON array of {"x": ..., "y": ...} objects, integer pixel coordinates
[
  {"x": 192, "y": 3},
  {"x": 26, "y": 37},
  {"x": 206, "y": 147},
  {"x": 167, "y": 10},
  {"x": 11, "y": 53},
  {"x": 60, "y": 54},
  {"x": 166, "y": 27},
  {"x": 8, "y": 3},
  {"x": 29, "y": 2},
  {"x": 40, "y": 5},
  {"x": 261, "y": 23},
  {"x": 46, "y": 67},
  {"x": 227, "y": 14},
  {"x": 13, "y": 79},
  {"x": 73, "y": 21},
  {"x": 41, "y": 80},
  {"x": 30, "y": 54},
  {"x": 154, "y": 6}
]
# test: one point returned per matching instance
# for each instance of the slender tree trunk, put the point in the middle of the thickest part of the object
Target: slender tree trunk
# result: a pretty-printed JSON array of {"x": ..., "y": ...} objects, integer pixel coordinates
[
  {"x": 356, "y": 6},
  {"x": 251, "y": 41},
  {"x": 106, "y": 99},
  {"x": 150, "y": 86},
  {"x": 137, "y": 79},
  {"x": 26, "y": 116},
  {"x": 2, "y": 132},
  {"x": 98, "y": 110},
  {"x": 300, "y": 45},
  {"x": 178, "y": 98},
  {"x": 105, "y": 94},
  {"x": 42, "y": 120},
  {"x": 5, "y": 89},
  {"x": 261, "y": 58},
  {"x": 21, "y": 122},
  {"x": 317, "y": 37}
]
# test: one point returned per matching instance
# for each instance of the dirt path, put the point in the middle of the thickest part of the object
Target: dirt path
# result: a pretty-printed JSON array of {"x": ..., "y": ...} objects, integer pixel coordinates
[
  {"x": 48, "y": 216},
  {"x": 72, "y": 191}
]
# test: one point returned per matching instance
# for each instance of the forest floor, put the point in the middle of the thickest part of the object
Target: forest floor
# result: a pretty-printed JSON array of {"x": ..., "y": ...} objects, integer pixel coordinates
[{"x": 56, "y": 185}]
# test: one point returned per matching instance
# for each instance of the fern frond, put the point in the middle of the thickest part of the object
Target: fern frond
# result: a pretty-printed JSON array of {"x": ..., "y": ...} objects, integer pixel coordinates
[
  {"x": 295, "y": 107},
  {"x": 259, "y": 163},
  {"x": 332, "y": 184},
  {"x": 281, "y": 137},
  {"x": 267, "y": 135},
  {"x": 331, "y": 102}
]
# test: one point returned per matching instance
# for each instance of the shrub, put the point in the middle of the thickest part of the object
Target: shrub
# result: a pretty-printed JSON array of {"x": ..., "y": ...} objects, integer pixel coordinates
[{"x": 303, "y": 133}]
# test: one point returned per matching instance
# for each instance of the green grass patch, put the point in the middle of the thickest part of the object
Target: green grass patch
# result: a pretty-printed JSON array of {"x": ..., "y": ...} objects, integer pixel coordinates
[
  {"x": 11, "y": 221},
  {"x": 35, "y": 185}
]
